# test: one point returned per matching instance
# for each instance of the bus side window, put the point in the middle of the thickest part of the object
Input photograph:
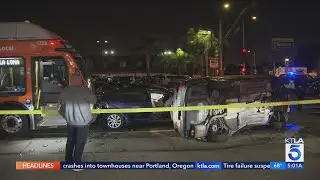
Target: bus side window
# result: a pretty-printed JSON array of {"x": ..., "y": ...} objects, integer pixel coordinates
[{"x": 60, "y": 75}]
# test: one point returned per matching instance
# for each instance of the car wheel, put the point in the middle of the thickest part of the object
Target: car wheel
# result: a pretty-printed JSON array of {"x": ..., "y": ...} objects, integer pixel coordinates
[
  {"x": 112, "y": 121},
  {"x": 215, "y": 136}
]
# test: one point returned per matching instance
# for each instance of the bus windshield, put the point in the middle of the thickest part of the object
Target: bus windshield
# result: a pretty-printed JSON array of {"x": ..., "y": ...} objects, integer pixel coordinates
[{"x": 12, "y": 76}]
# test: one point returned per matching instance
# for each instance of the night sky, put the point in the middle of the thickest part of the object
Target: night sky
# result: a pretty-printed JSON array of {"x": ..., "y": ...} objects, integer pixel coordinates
[{"x": 124, "y": 22}]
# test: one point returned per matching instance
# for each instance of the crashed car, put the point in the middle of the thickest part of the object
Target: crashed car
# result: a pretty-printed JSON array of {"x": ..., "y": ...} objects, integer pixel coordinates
[
  {"x": 133, "y": 97},
  {"x": 212, "y": 125}
]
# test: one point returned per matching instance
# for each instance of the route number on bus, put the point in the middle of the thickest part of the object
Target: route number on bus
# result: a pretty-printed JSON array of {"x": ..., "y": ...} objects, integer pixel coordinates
[{"x": 42, "y": 43}]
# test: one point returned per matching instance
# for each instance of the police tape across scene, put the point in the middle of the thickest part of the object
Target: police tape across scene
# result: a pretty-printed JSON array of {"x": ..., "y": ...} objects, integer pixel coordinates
[{"x": 168, "y": 109}]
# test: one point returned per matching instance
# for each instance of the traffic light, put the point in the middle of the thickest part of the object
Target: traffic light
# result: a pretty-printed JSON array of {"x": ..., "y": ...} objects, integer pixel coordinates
[{"x": 244, "y": 50}]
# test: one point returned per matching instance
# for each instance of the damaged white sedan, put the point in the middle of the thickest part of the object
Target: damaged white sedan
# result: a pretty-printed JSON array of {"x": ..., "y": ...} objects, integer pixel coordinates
[{"x": 218, "y": 124}]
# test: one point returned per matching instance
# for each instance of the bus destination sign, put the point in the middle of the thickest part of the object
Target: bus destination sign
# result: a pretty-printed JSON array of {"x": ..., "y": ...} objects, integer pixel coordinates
[{"x": 10, "y": 62}]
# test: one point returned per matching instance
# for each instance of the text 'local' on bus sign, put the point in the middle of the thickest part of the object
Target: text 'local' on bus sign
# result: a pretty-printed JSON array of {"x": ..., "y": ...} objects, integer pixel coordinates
[{"x": 10, "y": 62}]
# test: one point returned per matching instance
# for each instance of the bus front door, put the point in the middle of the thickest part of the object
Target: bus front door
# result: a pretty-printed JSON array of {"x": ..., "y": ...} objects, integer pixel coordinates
[{"x": 52, "y": 79}]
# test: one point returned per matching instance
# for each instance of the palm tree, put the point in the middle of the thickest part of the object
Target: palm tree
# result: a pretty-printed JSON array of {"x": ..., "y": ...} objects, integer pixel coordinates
[
  {"x": 193, "y": 47},
  {"x": 200, "y": 42}
]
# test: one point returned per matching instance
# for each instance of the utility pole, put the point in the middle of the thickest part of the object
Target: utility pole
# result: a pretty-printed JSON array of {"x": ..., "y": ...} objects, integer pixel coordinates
[
  {"x": 243, "y": 38},
  {"x": 220, "y": 47},
  {"x": 243, "y": 46}
]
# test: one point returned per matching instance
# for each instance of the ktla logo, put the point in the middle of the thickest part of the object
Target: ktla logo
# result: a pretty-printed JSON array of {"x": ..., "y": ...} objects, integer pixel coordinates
[{"x": 294, "y": 150}]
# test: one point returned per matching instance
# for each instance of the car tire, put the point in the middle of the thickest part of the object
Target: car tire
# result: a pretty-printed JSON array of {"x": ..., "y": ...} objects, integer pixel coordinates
[
  {"x": 111, "y": 121},
  {"x": 19, "y": 125},
  {"x": 216, "y": 137}
]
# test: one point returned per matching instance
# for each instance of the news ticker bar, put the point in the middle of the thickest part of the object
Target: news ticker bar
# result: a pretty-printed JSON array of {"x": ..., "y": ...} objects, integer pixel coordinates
[{"x": 56, "y": 165}]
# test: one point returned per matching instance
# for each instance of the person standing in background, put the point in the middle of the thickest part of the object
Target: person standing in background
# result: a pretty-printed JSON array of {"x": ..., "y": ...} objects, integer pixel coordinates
[{"x": 76, "y": 103}]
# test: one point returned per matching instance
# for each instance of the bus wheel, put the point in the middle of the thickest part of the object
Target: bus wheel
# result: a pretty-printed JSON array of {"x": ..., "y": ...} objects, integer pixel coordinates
[{"x": 13, "y": 124}]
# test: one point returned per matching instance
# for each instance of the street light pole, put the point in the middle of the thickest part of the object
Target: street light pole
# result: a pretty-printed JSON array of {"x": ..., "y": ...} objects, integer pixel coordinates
[
  {"x": 226, "y": 6},
  {"x": 243, "y": 45},
  {"x": 254, "y": 62}
]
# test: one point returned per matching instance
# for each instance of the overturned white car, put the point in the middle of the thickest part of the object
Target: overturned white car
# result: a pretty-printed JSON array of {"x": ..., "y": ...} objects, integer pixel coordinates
[{"x": 215, "y": 125}]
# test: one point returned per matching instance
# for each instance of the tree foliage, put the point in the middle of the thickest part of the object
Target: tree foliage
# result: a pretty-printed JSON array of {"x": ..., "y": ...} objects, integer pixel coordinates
[
  {"x": 177, "y": 59},
  {"x": 200, "y": 44}
]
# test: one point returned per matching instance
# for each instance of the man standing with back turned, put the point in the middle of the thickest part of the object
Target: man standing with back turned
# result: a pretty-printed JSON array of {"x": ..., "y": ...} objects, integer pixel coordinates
[{"x": 76, "y": 102}]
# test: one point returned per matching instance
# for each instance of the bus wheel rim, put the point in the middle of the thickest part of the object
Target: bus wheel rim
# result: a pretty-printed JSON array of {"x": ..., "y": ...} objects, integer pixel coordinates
[{"x": 11, "y": 118}]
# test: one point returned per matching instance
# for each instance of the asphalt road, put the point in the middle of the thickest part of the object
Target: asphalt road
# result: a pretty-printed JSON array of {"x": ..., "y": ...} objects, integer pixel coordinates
[
  {"x": 162, "y": 144},
  {"x": 94, "y": 130}
]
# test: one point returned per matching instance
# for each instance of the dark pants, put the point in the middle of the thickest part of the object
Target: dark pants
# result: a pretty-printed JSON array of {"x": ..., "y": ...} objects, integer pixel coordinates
[{"x": 77, "y": 139}]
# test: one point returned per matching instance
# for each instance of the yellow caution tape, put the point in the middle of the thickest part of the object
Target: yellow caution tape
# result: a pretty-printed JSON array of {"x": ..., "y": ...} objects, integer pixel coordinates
[{"x": 167, "y": 109}]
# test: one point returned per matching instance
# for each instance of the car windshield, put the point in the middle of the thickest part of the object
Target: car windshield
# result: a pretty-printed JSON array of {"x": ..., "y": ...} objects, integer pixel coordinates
[{"x": 12, "y": 76}]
